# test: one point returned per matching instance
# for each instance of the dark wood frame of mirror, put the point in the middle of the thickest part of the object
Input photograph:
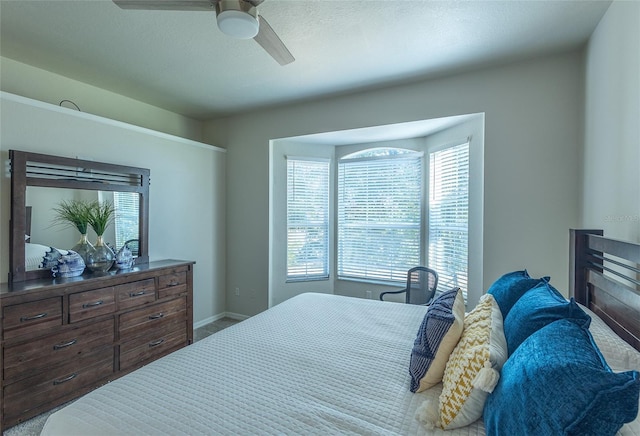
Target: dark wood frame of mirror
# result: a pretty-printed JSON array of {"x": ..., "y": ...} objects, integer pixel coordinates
[{"x": 35, "y": 169}]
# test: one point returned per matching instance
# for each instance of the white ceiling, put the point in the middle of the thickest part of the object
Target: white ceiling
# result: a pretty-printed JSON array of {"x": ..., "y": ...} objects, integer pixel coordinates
[{"x": 180, "y": 61}]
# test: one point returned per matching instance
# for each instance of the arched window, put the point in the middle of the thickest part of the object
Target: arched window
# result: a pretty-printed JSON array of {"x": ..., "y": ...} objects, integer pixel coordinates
[{"x": 380, "y": 192}]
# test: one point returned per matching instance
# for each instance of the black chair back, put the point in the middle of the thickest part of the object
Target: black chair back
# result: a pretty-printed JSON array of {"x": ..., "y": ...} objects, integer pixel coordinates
[{"x": 422, "y": 283}]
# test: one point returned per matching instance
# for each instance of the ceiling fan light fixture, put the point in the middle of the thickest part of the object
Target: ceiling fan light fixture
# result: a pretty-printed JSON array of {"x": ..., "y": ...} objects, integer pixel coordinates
[{"x": 237, "y": 19}]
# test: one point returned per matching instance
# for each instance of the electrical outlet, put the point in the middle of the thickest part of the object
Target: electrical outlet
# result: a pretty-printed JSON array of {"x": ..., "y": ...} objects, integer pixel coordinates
[
  {"x": 237, "y": 292},
  {"x": 368, "y": 294}
]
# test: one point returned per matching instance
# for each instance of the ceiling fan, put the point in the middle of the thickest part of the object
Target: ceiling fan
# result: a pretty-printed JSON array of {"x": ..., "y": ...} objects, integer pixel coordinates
[{"x": 236, "y": 18}]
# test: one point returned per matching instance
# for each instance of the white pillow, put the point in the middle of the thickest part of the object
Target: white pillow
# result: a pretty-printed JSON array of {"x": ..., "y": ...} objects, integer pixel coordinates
[
  {"x": 620, "y": 356},
  {"x": 33, "y": 255}
]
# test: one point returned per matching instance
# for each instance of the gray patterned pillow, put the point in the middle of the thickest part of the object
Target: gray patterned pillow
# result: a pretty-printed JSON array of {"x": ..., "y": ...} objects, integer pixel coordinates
[{"x": 438, "y": 335}]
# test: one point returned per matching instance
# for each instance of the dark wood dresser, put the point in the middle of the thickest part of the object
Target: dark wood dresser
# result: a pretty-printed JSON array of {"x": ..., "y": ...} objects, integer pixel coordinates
[{"x": 61, "y": 338}]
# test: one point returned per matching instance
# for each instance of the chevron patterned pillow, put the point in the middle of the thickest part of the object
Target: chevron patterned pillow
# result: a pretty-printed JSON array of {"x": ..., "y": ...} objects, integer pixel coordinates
[{"x": 472, "y": 370}]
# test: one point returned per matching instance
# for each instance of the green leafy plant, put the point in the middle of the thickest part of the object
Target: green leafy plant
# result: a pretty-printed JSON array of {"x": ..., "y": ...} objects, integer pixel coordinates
[
  {"x": 100, "y": 216},
  {"x": 73, "y": 213}
]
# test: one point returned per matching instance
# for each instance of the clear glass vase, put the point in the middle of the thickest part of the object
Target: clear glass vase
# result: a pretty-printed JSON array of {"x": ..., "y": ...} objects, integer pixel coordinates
[
  {"x": 84, "y": 248},
  {"x": 101, "y": 259}
]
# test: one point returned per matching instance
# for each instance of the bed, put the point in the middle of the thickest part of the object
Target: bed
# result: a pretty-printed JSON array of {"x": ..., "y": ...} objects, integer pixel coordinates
[{"x": 326, "y": 364}]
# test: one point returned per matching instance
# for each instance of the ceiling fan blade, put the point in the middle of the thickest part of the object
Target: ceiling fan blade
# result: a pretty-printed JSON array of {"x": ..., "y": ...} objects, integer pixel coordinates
[
  {"x": 168, "y": 5},
  {"x": 254, "y": 3},
  {"x": 273, "y": 45}
]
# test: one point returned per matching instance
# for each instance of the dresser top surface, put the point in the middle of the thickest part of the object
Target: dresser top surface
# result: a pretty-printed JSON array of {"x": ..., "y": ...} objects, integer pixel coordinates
[{"x": 7, "y": 289}]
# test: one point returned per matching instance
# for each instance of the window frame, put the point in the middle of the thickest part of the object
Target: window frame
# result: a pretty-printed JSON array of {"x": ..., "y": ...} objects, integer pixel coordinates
[
  {"x": 326, "y": 273},
  {"x": 437, "y": 149},
  {"x": 125, "y": 213},
  {"x": 395, "y": 277}
]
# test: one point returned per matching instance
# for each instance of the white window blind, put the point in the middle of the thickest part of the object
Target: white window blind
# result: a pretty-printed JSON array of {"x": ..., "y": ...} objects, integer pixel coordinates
[
  {"x": 126, "y": 216},
  {"x": 379, "y": 215},
  {"x": 449, "y": 216},
  {"x": 307, "y": 219}
]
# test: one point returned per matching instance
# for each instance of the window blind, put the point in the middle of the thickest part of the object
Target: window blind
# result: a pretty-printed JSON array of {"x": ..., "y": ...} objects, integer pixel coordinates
[
  {"x": 307, "y": 219},
  {"x": 449, "y": 216},
  {"x": 126, "y": 216},
  {"x": 379, "y": 214}
]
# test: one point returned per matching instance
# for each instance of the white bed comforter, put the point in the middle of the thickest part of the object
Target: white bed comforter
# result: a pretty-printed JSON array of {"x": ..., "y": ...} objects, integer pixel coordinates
[{"x": 315, "y": 364}]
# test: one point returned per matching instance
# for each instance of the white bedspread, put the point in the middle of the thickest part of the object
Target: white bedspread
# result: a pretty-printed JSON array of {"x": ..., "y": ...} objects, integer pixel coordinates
[{"x": 315, "y": 364}]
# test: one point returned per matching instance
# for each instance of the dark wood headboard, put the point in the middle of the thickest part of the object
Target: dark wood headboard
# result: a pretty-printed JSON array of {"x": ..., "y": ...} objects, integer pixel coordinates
[
  {"x": 27, "y": 236},
  {"x": 605, "y": 277}
]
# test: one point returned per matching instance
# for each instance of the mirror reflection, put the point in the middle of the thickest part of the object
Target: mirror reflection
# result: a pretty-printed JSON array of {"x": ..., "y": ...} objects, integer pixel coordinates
[{"x": 44, "y": 231}]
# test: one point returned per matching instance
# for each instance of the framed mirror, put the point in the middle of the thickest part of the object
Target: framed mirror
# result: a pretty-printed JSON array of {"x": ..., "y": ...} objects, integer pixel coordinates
[{"x": 39, "y": 183}]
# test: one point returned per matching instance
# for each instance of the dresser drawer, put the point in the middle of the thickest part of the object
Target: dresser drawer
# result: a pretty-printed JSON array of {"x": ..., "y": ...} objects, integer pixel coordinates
[
  {"x": 89, "y": 304},
  {"x": 136, "y": 293},
  {"x": 137, "y": 322},
  {"x": 27, "y": 359},
  {"x": 151, "y": 347},
  {"x": 47, "y": 386},
  {"x": 31, "y": 318},
  {"x": 172, "y": 284}
]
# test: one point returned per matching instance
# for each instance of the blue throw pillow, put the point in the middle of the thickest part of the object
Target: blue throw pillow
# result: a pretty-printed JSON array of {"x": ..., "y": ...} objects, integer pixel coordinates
[
  {"x": 558, "y": 383},
  {"x": 510, "y": 287},
  {"x": 535, "y": 309}
]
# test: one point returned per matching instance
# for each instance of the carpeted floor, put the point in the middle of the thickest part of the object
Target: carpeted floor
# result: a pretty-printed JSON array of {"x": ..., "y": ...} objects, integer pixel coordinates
[{"x": 33, "y": 427}]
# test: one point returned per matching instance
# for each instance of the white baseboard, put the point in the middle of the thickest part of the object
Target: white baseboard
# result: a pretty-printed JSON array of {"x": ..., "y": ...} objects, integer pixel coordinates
[
  {"x": 197, "y": 325},
  {"x": 202, "y": 323},
  {"x": 237, "y": 316}
]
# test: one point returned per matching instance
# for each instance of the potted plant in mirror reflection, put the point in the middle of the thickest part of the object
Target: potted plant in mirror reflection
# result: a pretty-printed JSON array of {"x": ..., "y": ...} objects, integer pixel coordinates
[
  {"x": 101, "y": 215},
  {"x": 76, "y": 213}
]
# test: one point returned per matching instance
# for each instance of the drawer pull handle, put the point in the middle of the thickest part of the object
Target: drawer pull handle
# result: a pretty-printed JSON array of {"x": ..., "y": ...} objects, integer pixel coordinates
[
  {"x": 173, "y": 283},
  {"x": 64, "y": 380},
  {"x": 94, "y": 304},
  {"x": 157, "y": 316},
  {"x": 31, "y": 318},
  {"x": 137, "y": 294},
  {"x": 156, "y": 343},
  {"x": 65, "y": 345}
]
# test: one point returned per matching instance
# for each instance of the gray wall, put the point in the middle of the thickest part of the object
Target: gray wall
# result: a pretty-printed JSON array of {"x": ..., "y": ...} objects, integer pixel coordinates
[
  {"x": 186, "y": 196},
  {"x": 611, "y": 176},
  {"x": 533, "y": 134},
  {"x": 27, "y": 81}
]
